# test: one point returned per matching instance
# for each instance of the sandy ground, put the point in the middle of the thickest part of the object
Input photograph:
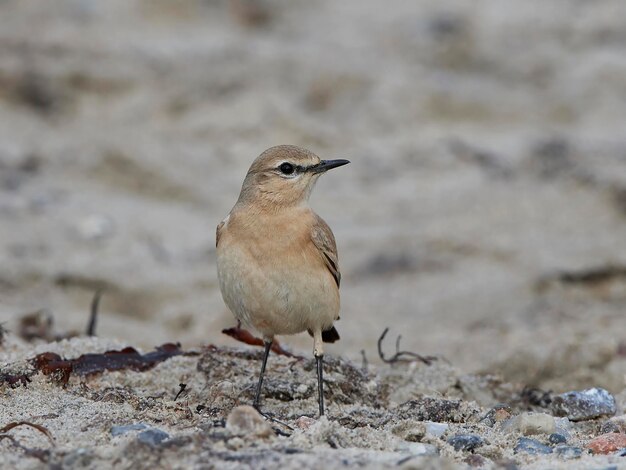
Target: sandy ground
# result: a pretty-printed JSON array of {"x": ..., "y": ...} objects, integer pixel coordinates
[
  {"x": 483, "y": 216},
  {"x": 404, "y": 415}
]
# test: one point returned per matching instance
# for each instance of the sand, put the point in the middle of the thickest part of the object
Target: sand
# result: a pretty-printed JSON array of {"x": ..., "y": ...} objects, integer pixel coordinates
[{"x": 483, "y": 216}]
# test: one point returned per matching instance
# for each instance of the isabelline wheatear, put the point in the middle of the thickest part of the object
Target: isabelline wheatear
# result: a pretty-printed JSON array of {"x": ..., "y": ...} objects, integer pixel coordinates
[{"x": 277, "y": 259}]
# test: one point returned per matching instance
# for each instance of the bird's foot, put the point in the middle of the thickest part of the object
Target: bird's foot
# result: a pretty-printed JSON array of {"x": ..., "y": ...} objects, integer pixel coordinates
[{"x": 269, "y": 417}]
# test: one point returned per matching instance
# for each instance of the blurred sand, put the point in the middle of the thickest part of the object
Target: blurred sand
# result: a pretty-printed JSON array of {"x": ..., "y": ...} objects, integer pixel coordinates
[{"x": 488, "y": 149}]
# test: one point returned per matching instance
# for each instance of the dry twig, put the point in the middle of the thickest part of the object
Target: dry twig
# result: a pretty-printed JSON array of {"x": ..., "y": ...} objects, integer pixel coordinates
[{"x": 401, "y": 356}]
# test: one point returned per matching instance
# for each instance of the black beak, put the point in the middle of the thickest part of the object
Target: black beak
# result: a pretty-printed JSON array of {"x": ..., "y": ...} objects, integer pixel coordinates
[{"x": 326, "y": 165}]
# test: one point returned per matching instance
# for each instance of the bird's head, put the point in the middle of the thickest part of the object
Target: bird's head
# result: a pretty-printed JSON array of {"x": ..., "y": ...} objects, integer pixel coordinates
[{"x": 284, "y": 176}]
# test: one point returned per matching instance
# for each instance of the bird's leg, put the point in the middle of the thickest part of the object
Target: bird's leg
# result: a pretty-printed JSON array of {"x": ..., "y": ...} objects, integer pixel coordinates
[
  {"x": 318, "y": 352},
  {"x": 320, "y": 381},
  {"x": 257, "y": 397}
]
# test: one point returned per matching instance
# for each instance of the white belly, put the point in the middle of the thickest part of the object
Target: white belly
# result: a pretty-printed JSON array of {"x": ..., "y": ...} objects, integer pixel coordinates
[{"x": 285, "y": 296}]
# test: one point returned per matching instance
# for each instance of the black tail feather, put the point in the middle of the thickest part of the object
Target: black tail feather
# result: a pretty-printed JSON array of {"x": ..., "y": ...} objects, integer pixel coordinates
[{"x": 329, "y": 336}]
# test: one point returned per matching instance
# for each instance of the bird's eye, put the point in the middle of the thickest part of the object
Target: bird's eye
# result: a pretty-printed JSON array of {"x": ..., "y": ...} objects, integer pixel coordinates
[{"x": 286, "y": 168}]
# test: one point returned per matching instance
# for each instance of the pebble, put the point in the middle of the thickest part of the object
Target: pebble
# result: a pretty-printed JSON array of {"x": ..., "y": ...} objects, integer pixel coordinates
[
  {"x": 123, "y": 429},
  {"x": 609, "y": 427},
  {"x": 531, "y": 446},
  {"x": 475, "y": 460},
  {"x": 563, "y": 425},
  {"x": 78, "y": 458},
  {"x": 607, "y": 443},
  {"x": 614, "y": 424},
  {"x": 304, "y": 422},
  {"x": 410, "y": 430},
  {"x": 497, "y": 414},
  {"x": 557, "y": 438},
  {"x": 583, "y": 405},
  {"x": 152, "y": 437},
  {"x": 436, "y": 429},
  {"x": 532, "y": 423},
  {"x": 465, "y": 442},
  {"x": 245, "y": 420},
  {"x": 418, "y": 449},
  {"x": 568, "y": 452}
]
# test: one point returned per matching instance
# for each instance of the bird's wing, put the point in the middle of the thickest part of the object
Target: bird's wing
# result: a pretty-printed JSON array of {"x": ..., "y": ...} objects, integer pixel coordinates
[
  {"x": 218, "y": 232},
  {"x": 324, "y": 240}
]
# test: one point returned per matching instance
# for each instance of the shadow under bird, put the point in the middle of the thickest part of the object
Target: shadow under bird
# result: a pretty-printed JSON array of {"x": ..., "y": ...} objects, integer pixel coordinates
[{"x": 277, "y": 260}]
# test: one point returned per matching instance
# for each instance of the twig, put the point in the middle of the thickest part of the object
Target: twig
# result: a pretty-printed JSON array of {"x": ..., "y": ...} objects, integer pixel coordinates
[
  {"x": 95, "y": 303},
  {"x": 182, "y": 389},
  {"x": 38, "y": 427},
  {"x": 400, "y": 356}
]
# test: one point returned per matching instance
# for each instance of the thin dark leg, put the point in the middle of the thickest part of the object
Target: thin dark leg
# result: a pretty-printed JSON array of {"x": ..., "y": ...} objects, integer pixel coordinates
[
  {"x": 257, "y": 396},
  {"x": 320, "y": 381}
]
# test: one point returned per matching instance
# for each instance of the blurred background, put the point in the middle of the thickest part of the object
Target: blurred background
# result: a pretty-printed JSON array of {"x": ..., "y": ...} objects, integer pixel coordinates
[{"x": 483, "y": 216}]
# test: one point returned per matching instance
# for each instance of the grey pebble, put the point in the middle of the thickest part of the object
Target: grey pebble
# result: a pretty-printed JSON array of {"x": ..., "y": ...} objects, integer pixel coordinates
[
  {"x": 123, "y": 429},
  {"x": 436, "y": 429},
  {"x": 465, "y": 442},
  {"x": 586, "y": 404},
  {"x": 568, "y": 452},
  {"x": 609, "y": 427},
  {"x": 531, "y": 446},
  {"x": 152, "y": 437},
  {"x": 557, "y": 438}
]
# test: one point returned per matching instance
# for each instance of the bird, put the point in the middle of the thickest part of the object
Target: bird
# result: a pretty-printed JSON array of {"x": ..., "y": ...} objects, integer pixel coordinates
[{"x": 277, "y": 261}]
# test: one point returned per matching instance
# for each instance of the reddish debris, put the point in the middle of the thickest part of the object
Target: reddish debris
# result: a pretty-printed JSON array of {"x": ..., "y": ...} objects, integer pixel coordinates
[
  {"x": 87, "y": 364},
  {"x": 38, "y": 427},
  {"x": 607, "y": 443},
  {"x": 246, "y": 337},
  {"x": 14, "y": 381}
]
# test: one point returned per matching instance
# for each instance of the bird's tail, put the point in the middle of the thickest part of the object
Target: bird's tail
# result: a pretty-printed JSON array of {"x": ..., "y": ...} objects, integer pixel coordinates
[{"x": 329, "y": 336}]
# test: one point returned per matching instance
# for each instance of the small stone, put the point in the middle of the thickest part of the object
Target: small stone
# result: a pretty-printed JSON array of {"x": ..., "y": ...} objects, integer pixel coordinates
[
  {"x": 533, "y": 423},
  {"x": 78, "y": 458},
  {"x": 123, "y": 429},
  {"x": 245, "y": 420},
  {"x": 304, "y": 422},
  {"x": 531, "y": 446},
  {"x": 609, "y": 427},
  {"x": 607, "y": 443},
  {"x": 563, "y": 425},
  {"x": 410, "y": 431},
  {"x": 586, "y": 404},
  {"x": 568, "y": 452},
  {"x": 465, "y": 442},
  {"x": 614, "y": 424},
  {"x": 436, "y": 429},
  {"x": 556, "y": 438},
  {"x": 152, "y": 437},
  {"x": 475, "y": 460},
  {"x": 497, "y": 414},
  {"x": 418, "y": 449},
  {"x": 501, "y": 414},
  {"x": 621, "y": 453}
]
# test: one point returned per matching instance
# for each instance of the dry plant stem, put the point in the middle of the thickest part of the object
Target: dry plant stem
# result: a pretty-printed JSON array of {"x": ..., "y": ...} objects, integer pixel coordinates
[
  {"x": 182, "y": 389},
  {"x": 38, "y": 427},
  {"x": 95, "y": 303},
  {"x": 400, "y": 356}
]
